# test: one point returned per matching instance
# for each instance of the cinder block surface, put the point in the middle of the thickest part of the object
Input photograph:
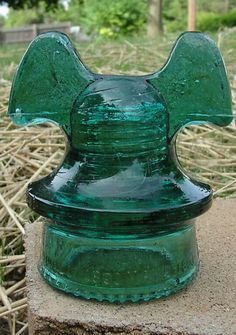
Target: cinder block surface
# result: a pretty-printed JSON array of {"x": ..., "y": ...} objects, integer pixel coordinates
[{"x": 206, "y": 307}]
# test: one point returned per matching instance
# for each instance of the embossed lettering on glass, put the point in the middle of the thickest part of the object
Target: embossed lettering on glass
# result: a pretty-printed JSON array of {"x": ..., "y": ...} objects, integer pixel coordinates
[{"x": 119, "y": 211}]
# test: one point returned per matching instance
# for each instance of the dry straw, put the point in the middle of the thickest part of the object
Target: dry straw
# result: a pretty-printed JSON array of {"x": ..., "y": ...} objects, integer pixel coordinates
[{"x": 27, "y": 154}]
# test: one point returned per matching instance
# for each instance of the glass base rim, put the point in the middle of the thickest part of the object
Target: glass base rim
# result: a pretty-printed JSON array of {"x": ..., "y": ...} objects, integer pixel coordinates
[{"x": 58, "y": 282}]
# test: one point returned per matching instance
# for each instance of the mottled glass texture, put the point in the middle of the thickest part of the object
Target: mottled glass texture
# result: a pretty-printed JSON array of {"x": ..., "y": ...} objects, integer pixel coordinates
[{"x": 119, "y": 209}]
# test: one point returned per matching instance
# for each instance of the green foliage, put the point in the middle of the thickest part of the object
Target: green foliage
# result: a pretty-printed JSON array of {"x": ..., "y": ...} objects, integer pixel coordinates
[
  {"x": 213, "y": 22},
  {"x": 175, "y": 15},
  {"x": 2, "y": 20},
  {"x": 121, "y": 17},
  {"x": 26, "y": 16},
  {"x": 72, "y": 14},
  {"x": 112, "y": 18},
  {"x": 21, "y": 4},
  {"x": 41, "y": 14},
  {"x": 216, "y": 6}
]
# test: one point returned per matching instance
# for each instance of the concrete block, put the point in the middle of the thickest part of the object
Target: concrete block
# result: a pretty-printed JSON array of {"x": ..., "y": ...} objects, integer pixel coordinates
[{"x": 206, "y": 307}]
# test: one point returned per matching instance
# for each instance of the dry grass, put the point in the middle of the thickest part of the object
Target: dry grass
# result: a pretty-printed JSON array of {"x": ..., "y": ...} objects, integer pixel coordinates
[{"x": 29, "y": 153}]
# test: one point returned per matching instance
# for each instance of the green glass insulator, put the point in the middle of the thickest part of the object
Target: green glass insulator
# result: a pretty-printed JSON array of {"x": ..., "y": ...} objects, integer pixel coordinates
[{"x": 119, "y": 211}]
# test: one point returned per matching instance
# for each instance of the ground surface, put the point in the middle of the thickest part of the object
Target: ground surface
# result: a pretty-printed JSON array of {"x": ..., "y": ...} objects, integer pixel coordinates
[{"x": 29, "y": 153}]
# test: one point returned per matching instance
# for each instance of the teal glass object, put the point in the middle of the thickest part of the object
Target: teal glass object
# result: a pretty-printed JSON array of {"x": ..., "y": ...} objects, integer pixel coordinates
[{"x": 119, "y": 210}]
